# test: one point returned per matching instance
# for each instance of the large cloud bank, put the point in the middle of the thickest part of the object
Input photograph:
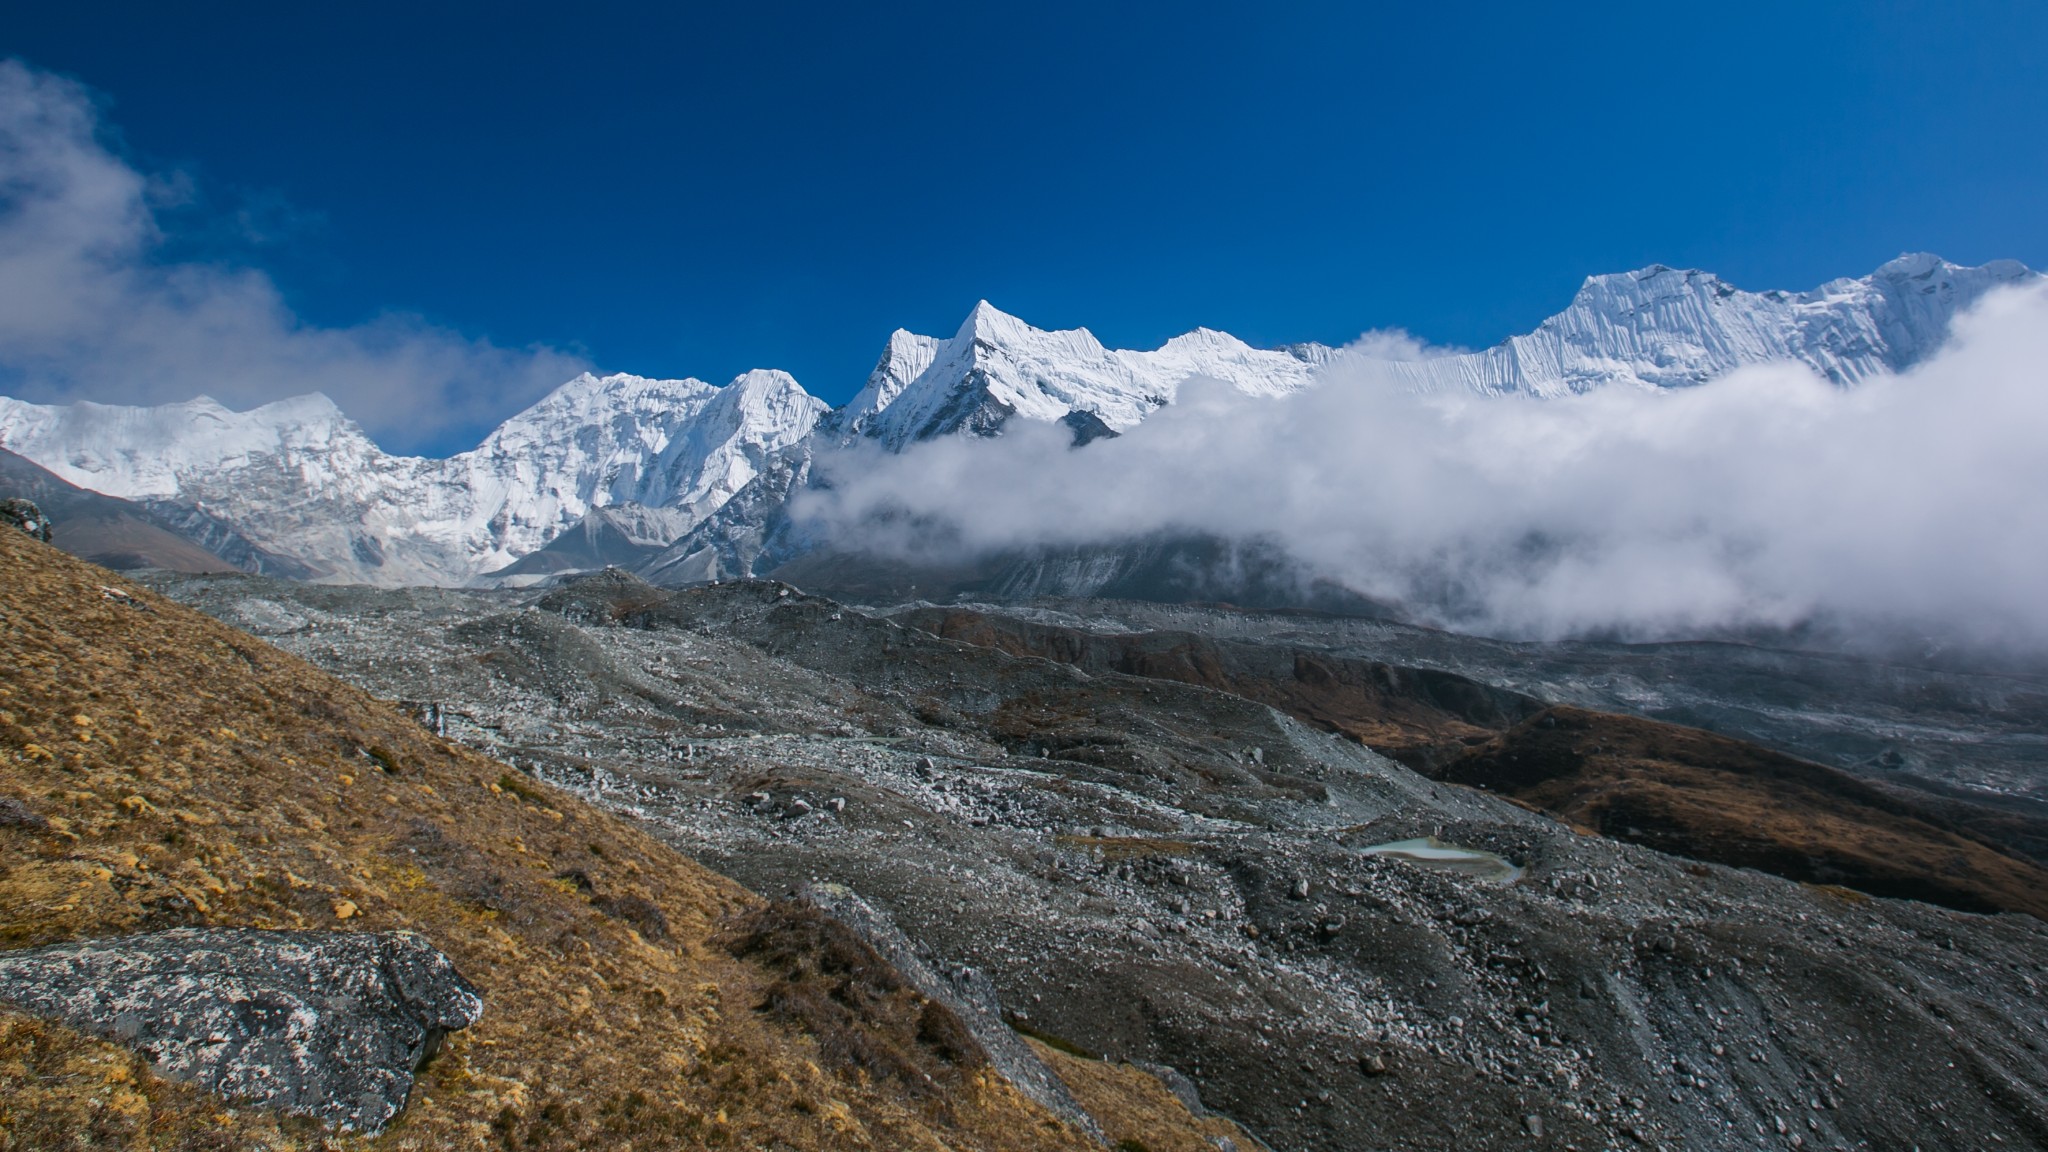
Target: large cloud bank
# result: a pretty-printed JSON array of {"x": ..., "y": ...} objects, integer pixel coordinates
[
  {"x": 1768, "y": 498},
  {"x": 90, "y": 309}
]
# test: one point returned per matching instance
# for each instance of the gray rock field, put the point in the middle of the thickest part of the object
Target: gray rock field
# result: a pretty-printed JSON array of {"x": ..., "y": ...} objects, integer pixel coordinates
[{"x": 1176, "y": 876}]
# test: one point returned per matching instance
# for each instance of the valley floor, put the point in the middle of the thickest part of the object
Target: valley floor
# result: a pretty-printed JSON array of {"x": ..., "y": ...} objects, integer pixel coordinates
[{"x": 1155, "y": 870}]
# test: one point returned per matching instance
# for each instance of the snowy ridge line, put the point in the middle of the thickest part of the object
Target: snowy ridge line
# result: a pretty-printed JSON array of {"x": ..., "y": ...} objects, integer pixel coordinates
[
  {"x": 1666, "y": 328},
  {"x": 299, "y": 478},
  {"x": 647, "y": 464}
]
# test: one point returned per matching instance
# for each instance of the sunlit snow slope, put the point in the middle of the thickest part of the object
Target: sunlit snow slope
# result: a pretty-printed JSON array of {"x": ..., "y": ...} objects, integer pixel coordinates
[
  {"x": 299, "y": 479},
  {"x": 663, "y": 458}
]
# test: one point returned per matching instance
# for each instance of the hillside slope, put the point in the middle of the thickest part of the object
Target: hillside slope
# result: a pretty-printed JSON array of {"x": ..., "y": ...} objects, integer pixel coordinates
[
  {"x": 158, "y": 768},
  {"x": 1124, "y": 857},
  {"x": 1693, "y": 793},
  {"x": 1677, "y": 789},
  {"x": 103, "y": 529}
]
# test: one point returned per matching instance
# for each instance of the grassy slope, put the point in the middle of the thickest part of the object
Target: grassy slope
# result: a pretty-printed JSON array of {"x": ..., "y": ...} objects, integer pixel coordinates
[
  {"x": 1136, "y": 1109},
  {"x": 176, "y": 771},
  {"x": 1693, "y": 793}
]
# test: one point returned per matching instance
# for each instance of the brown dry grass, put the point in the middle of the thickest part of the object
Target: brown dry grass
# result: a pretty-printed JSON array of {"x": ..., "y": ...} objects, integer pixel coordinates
[
  {"x": 1693, "y": 793},
  {"x": 1126, "y": 847},
  {"x": 866, "y": 1018},
  {"x": 167, "y": 770},
  {"x": 1136, "y": 1110}
]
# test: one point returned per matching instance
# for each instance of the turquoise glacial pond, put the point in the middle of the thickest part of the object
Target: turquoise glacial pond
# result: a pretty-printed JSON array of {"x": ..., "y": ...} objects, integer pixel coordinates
[{"x": 1432, "y": 853}]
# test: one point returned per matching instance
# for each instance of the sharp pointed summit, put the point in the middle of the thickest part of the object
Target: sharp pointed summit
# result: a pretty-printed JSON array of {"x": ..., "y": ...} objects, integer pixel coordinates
[
  {"x": 668, "y": 462},
  {"x": 998, "y": 367},
  {"x": 988, "y": 321}
]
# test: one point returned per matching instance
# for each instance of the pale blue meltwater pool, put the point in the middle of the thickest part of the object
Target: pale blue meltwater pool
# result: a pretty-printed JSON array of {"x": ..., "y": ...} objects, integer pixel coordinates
[{"x": 1432, "y": 853}]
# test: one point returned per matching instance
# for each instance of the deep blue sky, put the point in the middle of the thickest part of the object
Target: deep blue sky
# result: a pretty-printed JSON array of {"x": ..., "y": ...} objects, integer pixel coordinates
[{"x": 700, "y": 189}]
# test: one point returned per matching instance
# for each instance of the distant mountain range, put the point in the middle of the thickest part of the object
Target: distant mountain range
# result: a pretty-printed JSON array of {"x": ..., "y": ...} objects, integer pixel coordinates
[
  {"x": 314, "y": 498},
  {"x": 685, "y": 482}
]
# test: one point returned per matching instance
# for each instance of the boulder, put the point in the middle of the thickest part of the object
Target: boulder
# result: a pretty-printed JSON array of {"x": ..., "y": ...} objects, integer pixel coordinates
[
  {"x": 331, "y": 1025},
  {"x": 24, "y": 514}
]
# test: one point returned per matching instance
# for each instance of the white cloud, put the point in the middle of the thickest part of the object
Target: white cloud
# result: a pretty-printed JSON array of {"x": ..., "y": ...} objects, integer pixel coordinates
[
  {"x": 1765, "y": 498},
  {"x": 1396, "y": 344},
  {"x": 88, "y": 310}
]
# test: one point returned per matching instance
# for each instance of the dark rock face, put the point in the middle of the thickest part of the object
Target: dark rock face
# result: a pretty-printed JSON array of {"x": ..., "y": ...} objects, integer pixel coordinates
[
  {"x": 24, "y": 514},
  {"x": 331, "y": 1025},
  {"x": 1087, "y": 428}
]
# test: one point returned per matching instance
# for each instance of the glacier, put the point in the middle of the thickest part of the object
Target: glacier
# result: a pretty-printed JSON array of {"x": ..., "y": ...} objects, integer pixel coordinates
[
  {"x": 1669, "y": 328},
  {"x": 299, "y": 480},
  {"x": 687, "y": 481}
]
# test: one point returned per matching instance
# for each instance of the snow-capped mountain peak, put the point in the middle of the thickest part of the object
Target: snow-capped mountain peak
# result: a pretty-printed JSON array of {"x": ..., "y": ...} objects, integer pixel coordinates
[
  {"x": 1664, "y": 327},
  {"x": 729, "y": 441},
  {"x": 997, "y": 367},
  {"x": 1220, "y": 356},
  {"x": 641, "y": 461},
  {"x": 297, "y": 478},
  {"x": 590, "y": 401},
  {"x": 140, "y": 453},
  {"x": 599, "y": 441},
  {"x": 904, "y": 358},
  {"x": 1653, "y": 327}
]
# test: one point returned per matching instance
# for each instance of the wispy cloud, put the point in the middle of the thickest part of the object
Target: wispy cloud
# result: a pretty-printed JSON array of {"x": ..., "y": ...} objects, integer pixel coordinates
[
  {"x": 1397, "y": 344},
  {"x": 1765, "y": 498},
  {"x": 93, "y": 307}
]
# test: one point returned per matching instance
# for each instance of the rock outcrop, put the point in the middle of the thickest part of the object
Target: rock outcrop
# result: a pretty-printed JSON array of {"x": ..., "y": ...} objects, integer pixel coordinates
[
  {"x": 24, "y": 514},
  {"x": 331, "y": 1025}
]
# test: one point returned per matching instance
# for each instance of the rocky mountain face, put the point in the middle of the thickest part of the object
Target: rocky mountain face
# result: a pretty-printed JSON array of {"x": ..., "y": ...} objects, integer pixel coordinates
[
  {"x": 295, "y": 488},
  {"x": 116, "y": 533}
]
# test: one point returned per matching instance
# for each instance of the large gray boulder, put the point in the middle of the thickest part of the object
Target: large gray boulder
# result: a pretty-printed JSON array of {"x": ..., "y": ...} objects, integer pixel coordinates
[
  {"x": 24, "y": 514},
  {"x": 331, "y": 1025}
]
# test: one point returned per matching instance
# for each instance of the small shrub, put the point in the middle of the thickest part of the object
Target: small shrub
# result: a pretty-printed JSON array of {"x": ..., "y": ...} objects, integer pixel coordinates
[
  {"x": 867, "y": 1020},
  {"x": 521, "y": 787},
  {"x": 643, "y": 914}
]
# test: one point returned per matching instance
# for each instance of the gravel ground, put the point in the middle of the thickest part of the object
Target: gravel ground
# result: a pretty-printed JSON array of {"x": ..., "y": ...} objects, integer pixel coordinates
[{"x": 1162, "y": 873}]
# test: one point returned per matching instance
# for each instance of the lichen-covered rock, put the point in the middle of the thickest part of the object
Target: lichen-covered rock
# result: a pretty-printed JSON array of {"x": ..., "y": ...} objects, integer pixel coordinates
[
  {"x": 24, "y": 514},
  {"x": 331, "y": 1025}
]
